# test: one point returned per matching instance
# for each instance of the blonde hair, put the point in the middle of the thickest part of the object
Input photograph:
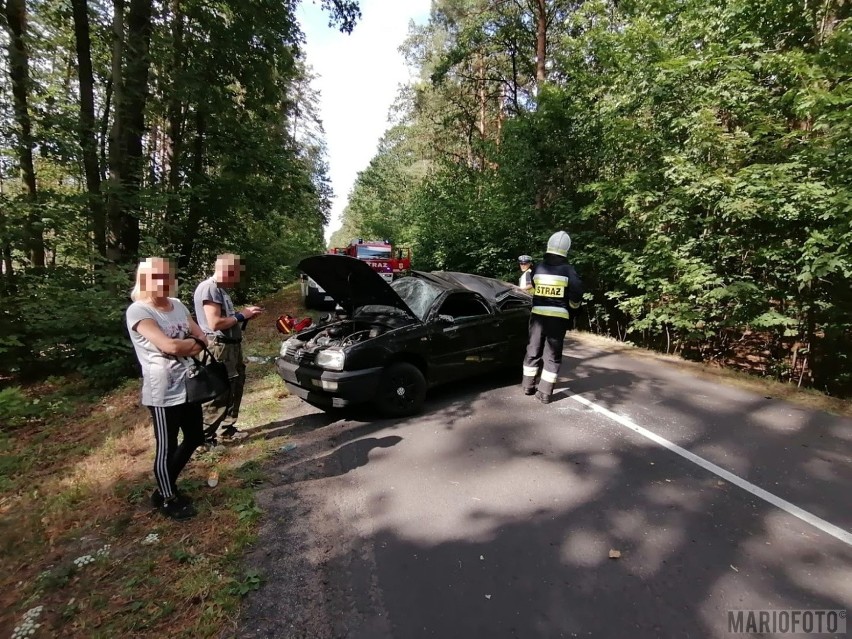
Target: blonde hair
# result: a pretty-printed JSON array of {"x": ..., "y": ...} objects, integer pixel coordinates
[{"x": 142, "y": 293}]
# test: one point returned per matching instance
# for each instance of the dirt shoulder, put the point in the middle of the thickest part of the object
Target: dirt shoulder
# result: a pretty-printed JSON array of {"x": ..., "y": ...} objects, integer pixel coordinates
[
  {"x": 83, "y": 552},
  {"x": 805, "y": 397}
]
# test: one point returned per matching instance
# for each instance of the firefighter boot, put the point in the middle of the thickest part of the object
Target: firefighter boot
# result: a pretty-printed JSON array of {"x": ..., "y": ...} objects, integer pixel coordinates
[
  {"x": 545, "y": 386},
  {"x": 542, "y": 397},
  {"x": 528, "y": 380}
]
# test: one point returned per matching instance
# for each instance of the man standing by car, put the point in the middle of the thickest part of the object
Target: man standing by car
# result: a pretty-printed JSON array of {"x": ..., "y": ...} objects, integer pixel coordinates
[
  {"x": 556, "y": 290},
  {"x": 224, "y": 329},
  {"x": 525, "y": 281}
]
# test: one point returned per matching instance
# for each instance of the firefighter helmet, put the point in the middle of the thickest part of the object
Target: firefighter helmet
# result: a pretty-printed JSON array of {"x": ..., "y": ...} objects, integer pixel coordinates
[
  {"x": 524, "y": 259},
  {"x": 559, "y": 243}
]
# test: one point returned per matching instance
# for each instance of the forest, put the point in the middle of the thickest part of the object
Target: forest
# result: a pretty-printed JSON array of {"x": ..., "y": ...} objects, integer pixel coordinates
[
  {"x": 130, "y": 128},
  {"x": 698, "y": 153}
]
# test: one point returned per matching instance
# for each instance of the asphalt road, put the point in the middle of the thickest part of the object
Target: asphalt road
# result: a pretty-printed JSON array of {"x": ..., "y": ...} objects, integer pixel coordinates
[{"x": 491, "y": 515}]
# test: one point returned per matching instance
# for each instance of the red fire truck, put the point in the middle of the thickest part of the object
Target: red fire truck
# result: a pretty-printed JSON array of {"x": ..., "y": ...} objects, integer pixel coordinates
[{"x": 388, "y": 261}]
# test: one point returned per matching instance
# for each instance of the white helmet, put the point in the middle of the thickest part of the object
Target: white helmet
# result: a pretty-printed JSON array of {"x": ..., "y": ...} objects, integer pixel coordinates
[{"x": 559, "y": 243}]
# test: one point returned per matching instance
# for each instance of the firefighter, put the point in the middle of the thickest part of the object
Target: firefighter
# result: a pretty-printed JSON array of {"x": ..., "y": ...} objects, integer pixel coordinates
[
  {"x": 557, "y": 290},
  {"x": 525, "y": 264}
]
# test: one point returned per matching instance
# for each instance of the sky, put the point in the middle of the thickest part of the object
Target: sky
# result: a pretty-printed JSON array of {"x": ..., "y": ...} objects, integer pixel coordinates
[{"x": 358, "y": 79}]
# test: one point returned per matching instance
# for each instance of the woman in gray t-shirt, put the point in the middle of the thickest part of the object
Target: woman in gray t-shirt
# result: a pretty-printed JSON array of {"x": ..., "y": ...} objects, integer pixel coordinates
[{"x": 164, "y": 334}]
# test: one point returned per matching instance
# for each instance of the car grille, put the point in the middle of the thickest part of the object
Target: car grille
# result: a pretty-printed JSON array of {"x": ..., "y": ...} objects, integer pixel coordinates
[
  {"x": 304, "y": 357},
  {"x": 299, "y": 355}
]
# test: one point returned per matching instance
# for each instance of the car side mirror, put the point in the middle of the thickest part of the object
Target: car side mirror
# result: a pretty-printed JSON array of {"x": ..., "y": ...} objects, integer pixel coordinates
[{"x": 446, "y": 319}]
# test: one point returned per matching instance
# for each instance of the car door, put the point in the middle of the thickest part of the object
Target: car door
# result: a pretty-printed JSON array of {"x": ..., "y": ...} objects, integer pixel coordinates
[{"x": 462, "y": 337}]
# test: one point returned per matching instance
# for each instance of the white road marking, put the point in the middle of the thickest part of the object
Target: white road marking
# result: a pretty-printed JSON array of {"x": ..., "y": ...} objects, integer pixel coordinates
[{"x": 757, "y": 491}]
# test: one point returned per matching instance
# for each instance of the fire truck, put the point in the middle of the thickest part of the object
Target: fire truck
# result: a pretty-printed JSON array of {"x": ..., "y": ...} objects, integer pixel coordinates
[{"x": 388, "y": 261}]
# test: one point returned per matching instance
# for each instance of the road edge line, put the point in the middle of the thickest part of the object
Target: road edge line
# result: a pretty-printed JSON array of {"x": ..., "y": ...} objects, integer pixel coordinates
[{"x": 757, "y": 491}]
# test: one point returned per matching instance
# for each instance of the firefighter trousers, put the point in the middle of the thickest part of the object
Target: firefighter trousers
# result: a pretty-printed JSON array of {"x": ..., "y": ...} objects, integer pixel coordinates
[{"x": 547, "y": 335}]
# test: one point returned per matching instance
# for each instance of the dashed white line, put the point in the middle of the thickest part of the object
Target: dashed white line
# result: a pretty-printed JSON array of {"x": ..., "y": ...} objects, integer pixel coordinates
[{"x": 757, "y": 491}]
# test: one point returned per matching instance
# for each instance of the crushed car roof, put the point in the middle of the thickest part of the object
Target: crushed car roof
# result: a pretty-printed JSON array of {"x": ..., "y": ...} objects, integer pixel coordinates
[
  {"x": 491, "y": 289},
  {"x": 352, "y": 283}
]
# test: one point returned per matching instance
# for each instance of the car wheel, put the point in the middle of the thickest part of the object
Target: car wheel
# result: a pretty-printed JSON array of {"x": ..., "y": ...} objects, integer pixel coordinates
[{"x": 401, "y": 390}]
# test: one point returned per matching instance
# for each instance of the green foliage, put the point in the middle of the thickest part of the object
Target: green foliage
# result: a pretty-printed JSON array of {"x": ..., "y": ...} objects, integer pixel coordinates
[
  {"x": 15, "y": 407},
  {"x": 232, "y": 159},
  {"x": 247, "y": 511},
  {"x": 697, "y": 154},
  {"x": 69, "y": 322},
  {"x": 250, "y": 581}
]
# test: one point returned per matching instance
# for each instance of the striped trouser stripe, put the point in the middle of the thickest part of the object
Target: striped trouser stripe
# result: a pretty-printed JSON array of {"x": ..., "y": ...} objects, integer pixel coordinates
[
  {"x": 161, "y": 456},
  {"x": 552, "y": 280},
  {"x": 530, "y": 371},
  {"x": 548, "y": 376},
  {"x": 551, "y": 311}
]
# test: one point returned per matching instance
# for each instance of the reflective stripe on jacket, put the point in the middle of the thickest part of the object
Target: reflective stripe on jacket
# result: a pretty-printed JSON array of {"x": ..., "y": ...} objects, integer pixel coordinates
[{"x": 556, "y": 288}]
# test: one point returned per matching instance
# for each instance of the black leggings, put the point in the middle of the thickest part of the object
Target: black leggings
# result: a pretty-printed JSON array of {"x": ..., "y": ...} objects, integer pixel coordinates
[{"x": 170, "y": 458}]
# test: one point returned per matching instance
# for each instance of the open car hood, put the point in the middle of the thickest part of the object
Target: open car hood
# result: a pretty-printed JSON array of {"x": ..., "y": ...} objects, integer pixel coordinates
[{"x": 351, "y": 282}]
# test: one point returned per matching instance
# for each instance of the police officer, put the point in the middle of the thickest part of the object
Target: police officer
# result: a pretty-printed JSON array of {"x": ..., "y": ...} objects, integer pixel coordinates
[
  {"x": 525, "y": 281},
  {"x": 557, "y": 290}
]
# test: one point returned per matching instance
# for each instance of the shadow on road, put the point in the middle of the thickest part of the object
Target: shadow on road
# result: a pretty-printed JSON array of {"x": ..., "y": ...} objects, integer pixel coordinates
[
  {"x": 493, "y": 516},
  {"x": 340, "y": 461}
]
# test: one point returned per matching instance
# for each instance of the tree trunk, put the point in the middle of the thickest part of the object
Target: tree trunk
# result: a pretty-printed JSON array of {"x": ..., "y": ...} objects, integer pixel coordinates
[
  {"x": 195, "y": 202},
  {"x": 9, "y": 287},
  {"x": 501, "y": 114},
  {"x": 88, "y": 142},
  {"x": 115, "y": 208},
  {"x": 7, "y": 281},
  {"x": 16, "y": 20},
  {"x": 104, "y": 129},
  {"x": 130, "y": 93},
  {"x": 137, "y": 64},
  {"x": 515, "y": 81},
  {"x": 176, "y": 116},
  {"x": 480, "y": 82},
  {"x": 540, "y": 42},
  {"x": 834, "y": 12}
]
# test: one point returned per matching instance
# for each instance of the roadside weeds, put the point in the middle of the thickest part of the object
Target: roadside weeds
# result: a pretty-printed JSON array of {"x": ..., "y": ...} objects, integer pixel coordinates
[
  {"x": 806, "y": 397},
  {"x": 83, "y": 552}
]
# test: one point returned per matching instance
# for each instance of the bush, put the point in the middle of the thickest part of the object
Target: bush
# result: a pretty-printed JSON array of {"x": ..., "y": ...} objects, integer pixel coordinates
[
  {"x": 67, "y": 322},
  {"x": 15, "y": 407}
]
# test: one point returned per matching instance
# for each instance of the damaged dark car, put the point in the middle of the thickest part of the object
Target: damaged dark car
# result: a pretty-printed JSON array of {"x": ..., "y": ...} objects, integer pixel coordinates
[{"x": 394, "y": 341}]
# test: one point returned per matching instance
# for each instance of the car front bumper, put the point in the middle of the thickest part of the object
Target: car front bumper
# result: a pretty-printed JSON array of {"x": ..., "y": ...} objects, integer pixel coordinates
[{"x": 335, "y": 389}]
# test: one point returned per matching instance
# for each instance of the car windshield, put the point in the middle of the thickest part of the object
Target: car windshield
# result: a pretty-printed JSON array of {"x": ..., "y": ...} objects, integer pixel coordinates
[
  {"x": 418, "y": 294},
  {"x": 375, "y": 252}
]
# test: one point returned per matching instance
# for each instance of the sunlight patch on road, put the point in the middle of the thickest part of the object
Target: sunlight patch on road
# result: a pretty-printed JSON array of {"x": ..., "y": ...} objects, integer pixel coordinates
[{"x": 809, "y": 518}]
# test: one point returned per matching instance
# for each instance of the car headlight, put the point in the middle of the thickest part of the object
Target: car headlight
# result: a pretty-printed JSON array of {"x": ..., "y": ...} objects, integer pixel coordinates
[{"x": 331, "y": 358}]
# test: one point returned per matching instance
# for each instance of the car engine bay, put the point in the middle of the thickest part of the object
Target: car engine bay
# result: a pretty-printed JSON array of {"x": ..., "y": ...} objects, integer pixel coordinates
[{"x": 339, "y": 334}]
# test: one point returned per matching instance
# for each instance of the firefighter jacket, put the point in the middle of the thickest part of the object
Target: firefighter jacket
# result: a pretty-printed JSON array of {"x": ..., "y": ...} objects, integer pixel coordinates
[{"x": 556, "y": 289}]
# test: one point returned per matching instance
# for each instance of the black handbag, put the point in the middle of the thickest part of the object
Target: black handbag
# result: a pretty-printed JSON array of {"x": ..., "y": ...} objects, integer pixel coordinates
[{"x": 206, "y": 379}]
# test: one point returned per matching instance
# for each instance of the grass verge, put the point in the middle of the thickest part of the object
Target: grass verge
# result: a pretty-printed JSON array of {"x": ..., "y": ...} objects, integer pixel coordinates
[{"x": 82, "y": 552}]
